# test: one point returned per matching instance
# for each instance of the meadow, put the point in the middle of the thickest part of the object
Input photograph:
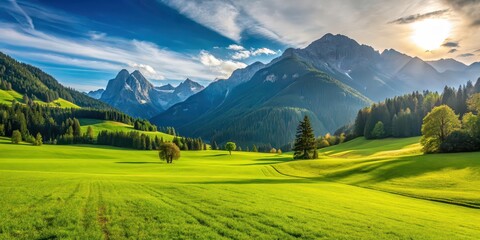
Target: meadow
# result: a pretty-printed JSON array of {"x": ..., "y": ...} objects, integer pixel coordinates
[
  {"x": 7, "y": 97},
  {"x": 352, "y": 192},
  {"x": 112, "y": 126}
]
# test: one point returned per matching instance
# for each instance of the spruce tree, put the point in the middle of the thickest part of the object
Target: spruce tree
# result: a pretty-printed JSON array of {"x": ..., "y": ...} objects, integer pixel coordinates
[{"x": 305, "y": 140}]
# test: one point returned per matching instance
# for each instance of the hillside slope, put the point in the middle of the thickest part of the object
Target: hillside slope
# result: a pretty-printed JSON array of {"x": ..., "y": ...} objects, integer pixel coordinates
[
  {"x": 7, "y": 97},
  {"x": 112, "y": 126},
  {"x": 27, "y": 79},
  {"x": 397, "y": 166},
  {"x": 267, "y": 108}
]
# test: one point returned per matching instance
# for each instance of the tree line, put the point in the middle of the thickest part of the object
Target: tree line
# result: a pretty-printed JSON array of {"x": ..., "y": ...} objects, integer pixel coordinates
[
  {"x": 445, "y": 131},
  {"x": 50, "y": 122},
  {"x": 144, "y": 125},
  {"x": 403, "y": 116},
  {"x": 55, "y": 125}
]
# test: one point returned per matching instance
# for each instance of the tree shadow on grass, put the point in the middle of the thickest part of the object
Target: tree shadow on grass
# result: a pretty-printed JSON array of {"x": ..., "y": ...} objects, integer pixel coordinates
[
  {"x": 218, "y": 155},
  {"x": 140, "y": 162},
  {"x": 406, "y": 167},
  {"x": 260, "y": 181}
]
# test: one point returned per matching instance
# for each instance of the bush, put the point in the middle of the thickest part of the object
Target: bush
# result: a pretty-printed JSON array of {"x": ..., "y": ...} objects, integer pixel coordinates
[
  {"x": 16, "y": 137},
  {"x": 460, "y": 141}
]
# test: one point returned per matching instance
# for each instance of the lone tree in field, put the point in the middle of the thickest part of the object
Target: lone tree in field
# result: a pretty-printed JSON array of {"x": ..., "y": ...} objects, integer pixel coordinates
[
  {"x": 169, "y": 152},
  {"x": 437, "y": 125},
  {"x": 230, "y": 146},
  {"x": 305, "y": 141},
  {"x": 16, "y": 137}
]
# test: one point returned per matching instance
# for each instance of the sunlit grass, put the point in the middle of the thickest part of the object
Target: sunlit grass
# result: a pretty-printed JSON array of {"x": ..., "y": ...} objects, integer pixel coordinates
[{"x": 91, "y": 192}]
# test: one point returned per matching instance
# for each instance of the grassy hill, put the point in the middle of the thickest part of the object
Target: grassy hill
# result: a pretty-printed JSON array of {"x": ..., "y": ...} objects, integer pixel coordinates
[
  {"x": 7, "y": 97},
  {"x": 92, "y": 192},
  {"x": 398, "y": 166},
  {"x": 25, "y": 78},
  {"x": 101, "y": 125}
]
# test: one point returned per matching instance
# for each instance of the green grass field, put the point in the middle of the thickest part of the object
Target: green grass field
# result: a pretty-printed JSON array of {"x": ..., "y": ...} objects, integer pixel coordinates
[
  {"x": 91, "y": 192},
  {"x": 7, "y": 97},
  {"x": 398, "y": 166},
  {"x": 101, "y": 125}
]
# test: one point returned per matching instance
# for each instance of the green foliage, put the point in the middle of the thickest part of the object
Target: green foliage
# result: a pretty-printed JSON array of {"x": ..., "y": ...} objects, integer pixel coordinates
[
  {"x": 169, "y": 152},
  {"x": 305, "y": 140},
  {"x": 215, "y": 145},
  {"x": 471, "y": 124},
  {"x": 38, "y": 140},
  {"x": 378, "y": 131},
  {"x": 189, "y": 143},
  {"x": 460, "y": 141},
  {"x": 16, "y": 137},
  {"x": 144, "y": 125},
  {"x": 230, "y": 146},
  {"x": 473, "y": 103},
  {"x": 437, "y": 125},
  {"x": 402, "y": 116}
]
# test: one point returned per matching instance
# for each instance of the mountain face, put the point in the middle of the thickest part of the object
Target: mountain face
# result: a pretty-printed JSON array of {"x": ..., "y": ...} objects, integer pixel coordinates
[
  {"x": 187, "y": 89},
  {"x": 206, "y": 100},
  {"x": 330, "y": 80},
  {"x": 449, "y": 64},
  {"x": 136, "y": 96},
  {"x": 267, "y": 108},
  {"x": 376, "y": 75},
  {"x": 167, "y": 87},
  {"x": 96, "y": 94}
]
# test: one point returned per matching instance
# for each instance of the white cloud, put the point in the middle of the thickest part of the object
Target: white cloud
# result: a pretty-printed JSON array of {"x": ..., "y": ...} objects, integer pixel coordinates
[
  {"x": 220, "y": 16},
  {"x": 106, "y": 53},
  {"x": 265, "y": 51},
  {"x": 147, "y": 71},
  {"x": 223, "y": 68},
  {"x": 235, "y": 47},
  {"x": 18, "y": 13},
  {"x": 96, "y": 35},
  {"x": 298, "y": 23},
  {"x": 241, "y": 55}
]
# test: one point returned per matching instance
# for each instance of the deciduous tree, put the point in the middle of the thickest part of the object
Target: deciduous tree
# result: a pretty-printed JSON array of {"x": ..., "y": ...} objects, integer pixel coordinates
[
  {"x": 437, "y": 125},
  {"x": 230, "y": 146},
  {"x": 169, "y": 152},
  {"x": 16, "y": 137}
]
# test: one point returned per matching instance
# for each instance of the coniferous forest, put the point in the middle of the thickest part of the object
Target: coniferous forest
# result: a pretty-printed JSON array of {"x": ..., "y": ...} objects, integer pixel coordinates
[{"x": 402, "y": 116}]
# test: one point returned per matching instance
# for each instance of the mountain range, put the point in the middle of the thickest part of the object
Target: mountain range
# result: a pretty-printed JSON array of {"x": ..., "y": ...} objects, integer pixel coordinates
[
  {"x": 329, "y": 80},
  {"x": 133, "y": 94}
]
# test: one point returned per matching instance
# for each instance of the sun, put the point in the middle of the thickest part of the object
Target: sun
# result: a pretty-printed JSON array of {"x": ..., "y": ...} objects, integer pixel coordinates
[{"x": 429, "y": 34}]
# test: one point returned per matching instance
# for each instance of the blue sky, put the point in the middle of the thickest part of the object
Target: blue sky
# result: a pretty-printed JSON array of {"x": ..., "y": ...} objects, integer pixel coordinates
[{"x": 85, "y": 43}]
